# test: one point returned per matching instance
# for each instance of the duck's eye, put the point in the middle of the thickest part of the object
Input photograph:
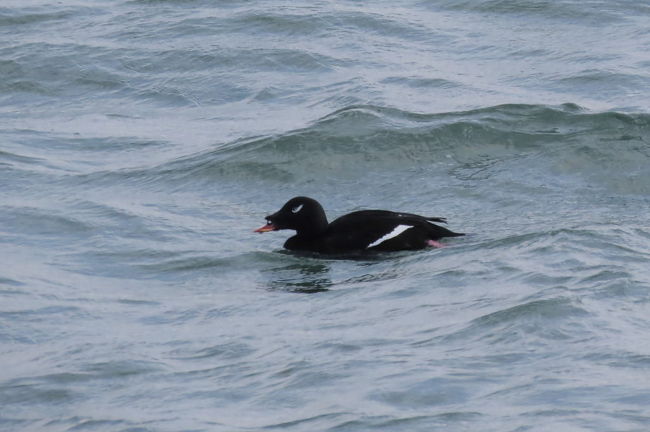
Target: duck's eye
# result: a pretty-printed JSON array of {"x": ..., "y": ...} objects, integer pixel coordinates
[
  {"x": 268, "y": 222},
  {"x": 296, "y": 209}
]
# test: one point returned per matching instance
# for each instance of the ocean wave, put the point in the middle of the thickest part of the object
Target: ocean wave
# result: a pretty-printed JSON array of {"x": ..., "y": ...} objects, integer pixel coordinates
[
  {"x": 607, "y": 148},
  {"x": 545, "y": 9}
]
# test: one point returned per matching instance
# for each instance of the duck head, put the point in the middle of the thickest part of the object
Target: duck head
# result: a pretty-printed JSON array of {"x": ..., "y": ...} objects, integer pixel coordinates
[{"x": 302, "y": 214}]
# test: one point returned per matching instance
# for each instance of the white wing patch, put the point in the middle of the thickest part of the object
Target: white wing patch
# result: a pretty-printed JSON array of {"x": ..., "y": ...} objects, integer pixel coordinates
[{"x": 399, "y": 229}]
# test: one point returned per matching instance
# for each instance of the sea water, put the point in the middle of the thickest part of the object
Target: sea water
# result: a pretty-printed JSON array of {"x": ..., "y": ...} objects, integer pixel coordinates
[{"x": 142, "y": 141}]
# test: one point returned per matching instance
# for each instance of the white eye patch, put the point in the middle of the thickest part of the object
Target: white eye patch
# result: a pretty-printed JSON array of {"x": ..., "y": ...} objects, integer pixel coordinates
[{"x": 296, "y": 209}]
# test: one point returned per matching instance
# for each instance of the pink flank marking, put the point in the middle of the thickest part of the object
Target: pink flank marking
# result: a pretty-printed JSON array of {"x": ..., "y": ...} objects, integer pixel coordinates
[{"x": 435, "y": 244}]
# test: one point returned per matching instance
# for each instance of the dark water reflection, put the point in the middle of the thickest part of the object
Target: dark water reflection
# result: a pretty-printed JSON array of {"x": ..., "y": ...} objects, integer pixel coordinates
[{"x": 304, "y": 277}]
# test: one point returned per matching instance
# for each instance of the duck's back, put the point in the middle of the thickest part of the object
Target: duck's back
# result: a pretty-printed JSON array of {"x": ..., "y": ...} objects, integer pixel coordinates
[{"x": 380, "y": 230}]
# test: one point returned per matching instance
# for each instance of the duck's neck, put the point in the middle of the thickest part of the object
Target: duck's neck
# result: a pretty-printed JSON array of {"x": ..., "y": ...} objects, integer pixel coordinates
[{"x": 315, "y": 228}]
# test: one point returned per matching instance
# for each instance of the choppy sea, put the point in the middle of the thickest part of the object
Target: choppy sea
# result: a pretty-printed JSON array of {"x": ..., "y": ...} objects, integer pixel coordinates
[{"x": 142, "y": 141}]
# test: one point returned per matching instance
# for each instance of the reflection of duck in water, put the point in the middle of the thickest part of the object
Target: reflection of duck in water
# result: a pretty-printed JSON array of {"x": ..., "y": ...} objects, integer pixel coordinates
[
  {"x": 360, "y": 231},
  {"x": 306, "y": 276}
]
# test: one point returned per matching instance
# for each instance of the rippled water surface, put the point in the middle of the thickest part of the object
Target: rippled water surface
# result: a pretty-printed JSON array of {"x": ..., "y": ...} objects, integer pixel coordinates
[{"x": 142, "y": 141}]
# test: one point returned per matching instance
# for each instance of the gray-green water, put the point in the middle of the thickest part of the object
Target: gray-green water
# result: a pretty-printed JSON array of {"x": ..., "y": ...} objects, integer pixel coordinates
[{"x": 141, "y": 142}]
